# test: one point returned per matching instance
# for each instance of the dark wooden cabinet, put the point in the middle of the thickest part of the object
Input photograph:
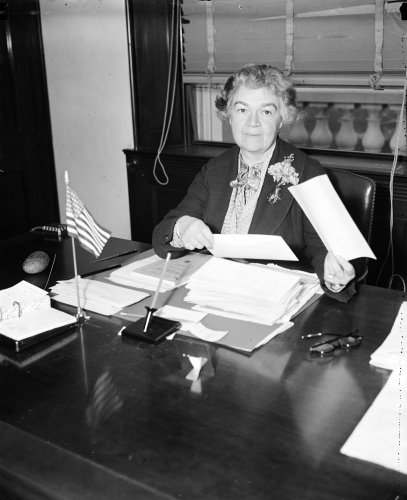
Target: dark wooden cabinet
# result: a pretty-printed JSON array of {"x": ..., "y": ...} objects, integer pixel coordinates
[{"x": 150, "y": 24}]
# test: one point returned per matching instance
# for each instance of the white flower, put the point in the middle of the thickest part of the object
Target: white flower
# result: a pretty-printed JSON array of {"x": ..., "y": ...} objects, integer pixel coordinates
[{"x": 283, "y": 173}]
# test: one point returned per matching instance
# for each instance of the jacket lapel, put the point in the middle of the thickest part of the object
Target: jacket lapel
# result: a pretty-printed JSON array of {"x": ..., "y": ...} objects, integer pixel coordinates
[{"x": 268, "y": 215}]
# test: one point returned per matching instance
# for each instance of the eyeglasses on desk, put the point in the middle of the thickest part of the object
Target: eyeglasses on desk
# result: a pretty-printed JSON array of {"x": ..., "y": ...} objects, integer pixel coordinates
[{"x": 345, "y": 341}]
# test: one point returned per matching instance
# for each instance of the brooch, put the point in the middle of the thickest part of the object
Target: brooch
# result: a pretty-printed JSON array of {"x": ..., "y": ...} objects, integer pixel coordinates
[{"x": 283, "y": 173}]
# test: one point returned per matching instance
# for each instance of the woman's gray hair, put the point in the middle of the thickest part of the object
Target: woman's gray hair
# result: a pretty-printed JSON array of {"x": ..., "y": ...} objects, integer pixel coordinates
[{"x": 258, "y": 76}]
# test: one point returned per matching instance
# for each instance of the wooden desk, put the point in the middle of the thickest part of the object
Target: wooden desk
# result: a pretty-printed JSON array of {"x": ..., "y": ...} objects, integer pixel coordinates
[{"x": 101, "y": 418}]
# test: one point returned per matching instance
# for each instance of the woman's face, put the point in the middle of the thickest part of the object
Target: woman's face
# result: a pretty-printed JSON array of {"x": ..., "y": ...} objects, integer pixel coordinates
[{"x": 255, "y": 119}]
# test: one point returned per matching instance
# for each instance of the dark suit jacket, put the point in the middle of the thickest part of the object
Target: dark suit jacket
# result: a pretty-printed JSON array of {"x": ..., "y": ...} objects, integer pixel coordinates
[{"x": 208, "y": 199}]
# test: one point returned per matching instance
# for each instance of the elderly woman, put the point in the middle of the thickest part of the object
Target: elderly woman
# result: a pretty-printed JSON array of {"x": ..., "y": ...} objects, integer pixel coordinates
[{"x": 244, "y": 190}]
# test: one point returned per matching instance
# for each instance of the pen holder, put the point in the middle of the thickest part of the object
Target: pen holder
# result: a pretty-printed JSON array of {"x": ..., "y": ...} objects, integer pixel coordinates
[{"x": 151, "y": 328}]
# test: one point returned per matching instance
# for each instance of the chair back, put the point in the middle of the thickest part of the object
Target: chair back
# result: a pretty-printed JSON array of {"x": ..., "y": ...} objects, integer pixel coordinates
[{"x": 357, "y": 193}]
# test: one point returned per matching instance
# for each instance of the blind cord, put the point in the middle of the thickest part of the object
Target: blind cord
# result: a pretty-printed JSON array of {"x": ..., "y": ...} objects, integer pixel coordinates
[
  {"x": 170, "y": 96},
  {"x": 390, "y": 247}
]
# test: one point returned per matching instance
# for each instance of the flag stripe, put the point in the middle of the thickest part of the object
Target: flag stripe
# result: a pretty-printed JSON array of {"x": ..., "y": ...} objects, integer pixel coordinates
[
  {"x": 98, "y": 232},
  {"x": 86, "y": 231},
  {"x": 82, "y": 225}
]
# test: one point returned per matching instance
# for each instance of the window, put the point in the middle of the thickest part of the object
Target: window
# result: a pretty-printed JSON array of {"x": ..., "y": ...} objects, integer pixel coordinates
[{"x": 346, "y": 57}]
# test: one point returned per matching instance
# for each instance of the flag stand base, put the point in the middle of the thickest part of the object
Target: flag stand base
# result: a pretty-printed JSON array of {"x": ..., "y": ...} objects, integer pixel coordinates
[{"x": 151, "y": 329}]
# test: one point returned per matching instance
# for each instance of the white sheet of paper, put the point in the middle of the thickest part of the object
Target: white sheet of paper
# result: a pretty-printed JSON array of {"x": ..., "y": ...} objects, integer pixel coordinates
[
  {"x": 336, "y": 228},
  {"x": 381, "y": 435},
  {"x": 180, "y": 314},
  {"x": 205, "y": 333},
  {"x": 390, "y": 354},
  {"x": 251, "y": 246}
]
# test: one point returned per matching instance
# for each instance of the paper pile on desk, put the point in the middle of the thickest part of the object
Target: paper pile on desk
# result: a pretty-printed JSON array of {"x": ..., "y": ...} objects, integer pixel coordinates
[
  {"x": 390, "y": 354},
  {"x": 96, "y": 296},
  {"x": 146, "y": 273},
  {"x": 381, "y": 435},
  {"x": 249, "y": 292}
]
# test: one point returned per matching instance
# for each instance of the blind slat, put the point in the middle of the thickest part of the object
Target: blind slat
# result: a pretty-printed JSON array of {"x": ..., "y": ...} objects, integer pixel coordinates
[{"x": 253, "y": 31}]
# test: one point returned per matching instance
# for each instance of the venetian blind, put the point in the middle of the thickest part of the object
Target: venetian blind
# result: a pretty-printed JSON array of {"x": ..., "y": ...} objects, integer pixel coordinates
[{"x": 329, "y": 36}]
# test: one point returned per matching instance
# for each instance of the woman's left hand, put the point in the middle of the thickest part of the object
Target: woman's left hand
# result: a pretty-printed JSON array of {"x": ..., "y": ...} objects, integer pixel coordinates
[{"x": 338, "y": 272}]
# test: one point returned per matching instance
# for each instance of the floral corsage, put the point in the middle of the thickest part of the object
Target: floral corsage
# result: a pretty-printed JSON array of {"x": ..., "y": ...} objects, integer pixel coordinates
[{"x": 283, "y": 173}]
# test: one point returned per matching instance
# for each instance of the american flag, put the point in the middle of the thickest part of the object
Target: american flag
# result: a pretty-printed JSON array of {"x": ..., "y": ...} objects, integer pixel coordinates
[{"x": 82, "y": 226}]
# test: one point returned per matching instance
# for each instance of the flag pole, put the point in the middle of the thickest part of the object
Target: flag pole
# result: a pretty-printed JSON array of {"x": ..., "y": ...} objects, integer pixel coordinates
[
  {"x": 79, "y": 313},
  {"x": 80, "y": 316}
]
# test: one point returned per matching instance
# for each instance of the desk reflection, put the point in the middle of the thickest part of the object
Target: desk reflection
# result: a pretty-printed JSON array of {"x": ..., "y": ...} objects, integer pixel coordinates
[{"x": 103, "y": 415}]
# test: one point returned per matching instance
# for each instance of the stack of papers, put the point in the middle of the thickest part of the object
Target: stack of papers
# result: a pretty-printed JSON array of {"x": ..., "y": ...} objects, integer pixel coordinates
[
  {"x": 245, "y": 291},
  {"x": 146, "y": 273},
  {"x": 310, "y": 288},
  {"x": 96, "y": 296},
  {"x": 381, "y": 435},
  {"x": 390, "y": 354}
]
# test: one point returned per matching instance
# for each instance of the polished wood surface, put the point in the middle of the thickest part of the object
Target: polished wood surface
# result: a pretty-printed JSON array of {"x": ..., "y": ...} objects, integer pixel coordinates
[{"x": 101, "y": 417}]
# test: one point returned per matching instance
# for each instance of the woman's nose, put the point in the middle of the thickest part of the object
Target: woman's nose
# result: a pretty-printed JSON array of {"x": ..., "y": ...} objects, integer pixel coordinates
[{"x": 253, "y": 119}]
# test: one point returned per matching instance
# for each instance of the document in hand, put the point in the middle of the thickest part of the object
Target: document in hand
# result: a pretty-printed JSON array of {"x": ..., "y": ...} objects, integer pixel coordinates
[
  {"x": 325, "y": 210},
  {"x": 251, "y": 246},
  {"x": 255, "y": 293},
  {"x": 96, "y": 296}
]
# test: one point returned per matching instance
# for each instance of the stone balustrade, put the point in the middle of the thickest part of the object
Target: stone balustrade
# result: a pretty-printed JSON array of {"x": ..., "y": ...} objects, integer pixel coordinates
[{"x": 342, "y": 126}]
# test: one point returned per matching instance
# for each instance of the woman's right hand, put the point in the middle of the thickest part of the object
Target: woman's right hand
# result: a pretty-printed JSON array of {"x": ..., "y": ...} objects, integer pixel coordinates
[{"x": 194, "y": 233}]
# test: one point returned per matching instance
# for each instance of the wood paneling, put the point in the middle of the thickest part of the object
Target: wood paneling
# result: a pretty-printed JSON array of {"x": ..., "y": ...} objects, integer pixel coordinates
[
  {"x": 149, "y": 26},
  {"x": 28, "y": 195}
]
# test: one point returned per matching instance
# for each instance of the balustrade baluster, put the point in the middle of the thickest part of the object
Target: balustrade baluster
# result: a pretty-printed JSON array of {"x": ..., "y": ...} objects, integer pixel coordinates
[
  {"x": 373, "y": 139},
  {"x": 347, "y": 137},
  {"x": 321, "y": 136},
  {"x": 298, "y": 134},
  {"x": 403, "y": 132}
]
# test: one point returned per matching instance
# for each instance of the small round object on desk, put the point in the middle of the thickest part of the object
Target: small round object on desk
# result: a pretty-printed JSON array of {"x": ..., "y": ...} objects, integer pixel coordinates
[{"x": 36, "y": 262}]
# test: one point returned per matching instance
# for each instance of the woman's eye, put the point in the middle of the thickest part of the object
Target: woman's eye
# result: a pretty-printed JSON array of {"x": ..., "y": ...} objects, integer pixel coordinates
[
  {"x": 240, "y": 110},
  {"x": 267, "y": 112}
]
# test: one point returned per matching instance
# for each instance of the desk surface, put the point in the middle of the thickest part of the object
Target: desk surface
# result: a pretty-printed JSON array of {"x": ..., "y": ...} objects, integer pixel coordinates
[{"x": 98, "y": 417}]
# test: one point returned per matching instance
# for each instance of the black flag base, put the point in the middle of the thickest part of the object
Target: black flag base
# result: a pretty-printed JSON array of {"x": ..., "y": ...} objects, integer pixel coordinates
[{"x": 152, "y": 329}]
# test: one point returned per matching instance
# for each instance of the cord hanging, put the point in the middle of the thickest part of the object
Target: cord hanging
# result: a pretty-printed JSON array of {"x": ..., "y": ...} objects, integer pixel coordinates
[
  {"x": 390, "y": 248},
  {"x": 171, "y": 86}
]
